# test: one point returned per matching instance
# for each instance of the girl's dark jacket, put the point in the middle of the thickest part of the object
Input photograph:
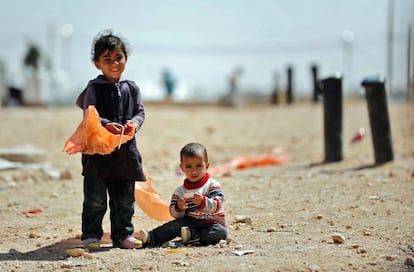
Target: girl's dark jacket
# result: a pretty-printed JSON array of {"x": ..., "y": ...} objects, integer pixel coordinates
[{"x": 118, "y": 103}]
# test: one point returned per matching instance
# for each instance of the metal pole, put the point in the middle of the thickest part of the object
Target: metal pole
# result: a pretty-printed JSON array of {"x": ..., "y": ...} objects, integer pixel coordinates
[
  {"x": 332, "y": 112},
  {"x": 289, "y": 85},
  {"x": 409, "y": 66},
  {"x": 390, "y": 45},
  {"x": 314, "y": 70},
  {"x": 378, "y": 116}
]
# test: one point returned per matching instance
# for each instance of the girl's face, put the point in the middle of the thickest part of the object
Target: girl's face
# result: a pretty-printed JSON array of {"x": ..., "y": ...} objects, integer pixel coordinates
[
  {"x": 194, "y": 168},
  {"x": 112, "y": 64}
]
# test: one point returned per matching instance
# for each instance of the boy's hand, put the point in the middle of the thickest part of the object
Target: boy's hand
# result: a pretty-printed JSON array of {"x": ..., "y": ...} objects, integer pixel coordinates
[
  {"x": 198, "y": 198},
  {"x": 181, "y": 204},
  {"x": 114, "y": 127}
]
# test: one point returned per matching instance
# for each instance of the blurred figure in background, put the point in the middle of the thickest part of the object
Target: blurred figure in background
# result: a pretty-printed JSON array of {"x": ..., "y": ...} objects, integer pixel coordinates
[
  {"x": 168, "y": 82},
  {"x": 274, "y": 98},
  {"x": 233, "y": 98}
]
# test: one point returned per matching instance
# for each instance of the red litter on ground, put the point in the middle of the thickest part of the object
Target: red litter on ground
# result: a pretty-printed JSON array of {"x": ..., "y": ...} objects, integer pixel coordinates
[
  {"x": 359, "y": 135},
  {"x": 35, "y": 211}
]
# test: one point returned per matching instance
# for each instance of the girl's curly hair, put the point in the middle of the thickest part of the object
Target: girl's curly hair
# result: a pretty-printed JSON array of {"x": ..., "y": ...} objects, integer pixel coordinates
[{"x": 106, "y": 40}]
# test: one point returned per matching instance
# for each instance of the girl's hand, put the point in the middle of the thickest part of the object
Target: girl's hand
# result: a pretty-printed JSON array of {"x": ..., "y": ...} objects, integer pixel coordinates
[
  {"x": 181, "y": 204},
  {"x": 114, "y": 127},
  {"x": 130, "y": 128}
]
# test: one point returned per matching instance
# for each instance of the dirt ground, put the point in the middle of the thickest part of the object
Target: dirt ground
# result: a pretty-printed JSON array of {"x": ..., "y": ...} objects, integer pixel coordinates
[{"x": 294, "y": 208}]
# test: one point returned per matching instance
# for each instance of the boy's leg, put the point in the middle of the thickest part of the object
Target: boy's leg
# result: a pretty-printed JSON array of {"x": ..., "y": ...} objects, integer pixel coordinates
[
  {"x": 121, "y": 203},
  {"x": 167, "y": 231},
  {"x": 94, "y": 207},
  {"x": 210, "y": 234}
]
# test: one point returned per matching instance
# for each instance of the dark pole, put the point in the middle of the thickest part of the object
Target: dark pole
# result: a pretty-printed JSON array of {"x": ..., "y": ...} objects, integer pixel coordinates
[
  {"x": 378, "y": 117},
  {"x": 332, "y": 113},
  {"x": 314, "y": 69},
  {"x": 289, "y": 85}
]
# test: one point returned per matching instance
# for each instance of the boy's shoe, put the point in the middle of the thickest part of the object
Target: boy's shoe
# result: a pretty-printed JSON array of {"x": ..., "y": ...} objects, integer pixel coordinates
[
  {"x": 143, "y": 236},
  {"x": 91, "y": 244},
  {"x": 130, "y": 242},
  {"x": 187, "y": 237},
  {"x": 185, "y": 234}
]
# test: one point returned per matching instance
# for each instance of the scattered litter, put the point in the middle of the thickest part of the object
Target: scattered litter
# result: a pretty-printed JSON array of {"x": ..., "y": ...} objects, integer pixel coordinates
[
  {"x": 358, "y": 136},
  {"x": 175, "y": 250},
  {"x": 274, "y": 156},
  {"x": 24, "y": 153},
  {"x": 35, "y": 211},
  {"x": 44, "y": 167},
  {"x": 242, "y": 252}
]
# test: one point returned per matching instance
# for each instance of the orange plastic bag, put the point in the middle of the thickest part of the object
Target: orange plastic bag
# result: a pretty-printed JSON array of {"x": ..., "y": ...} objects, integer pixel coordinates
[
  {"x": 273, "y": 157},
  {"x": 92, "y": 138},
  {"x": 147, "y": 198}
]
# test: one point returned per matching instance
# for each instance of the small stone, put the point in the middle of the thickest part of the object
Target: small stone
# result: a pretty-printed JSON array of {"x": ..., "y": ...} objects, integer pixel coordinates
[
  {"x": 75, "y": 252},
  {"x": 271, "y": 229},
  {"x": 33, "y": 235},
  {"x": 243, "y": 219},
  {"x": 314, "y": 268},
  {"x": 338, "y": 238},
  {"x": 409, "y": 262},
  {"x": 389, "y": 258}
]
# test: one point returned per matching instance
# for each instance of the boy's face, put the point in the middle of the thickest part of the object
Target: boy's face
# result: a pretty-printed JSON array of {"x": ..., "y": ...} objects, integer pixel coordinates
[
  {"x": 112, "y": 64},
  {"x": 194, "y": 168}
]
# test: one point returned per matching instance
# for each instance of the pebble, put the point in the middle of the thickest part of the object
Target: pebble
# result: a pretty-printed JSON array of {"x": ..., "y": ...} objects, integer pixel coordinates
[
  {"x": 314, "y": 268},
  {"x": 338, "y": 238},
  {"x": 243, "y": 219},
  {"x": 409, "y": 262},
  {"x": 271, "y": 229},
  {"x": 75, "y": 252}
]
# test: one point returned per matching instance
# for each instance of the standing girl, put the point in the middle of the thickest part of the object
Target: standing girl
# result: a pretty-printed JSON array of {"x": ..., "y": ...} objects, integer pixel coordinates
[{"x": 120, "y": 107}]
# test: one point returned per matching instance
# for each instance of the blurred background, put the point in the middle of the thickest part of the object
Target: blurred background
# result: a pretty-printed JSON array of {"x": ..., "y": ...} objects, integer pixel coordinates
[{"x": 201, "y": 46}]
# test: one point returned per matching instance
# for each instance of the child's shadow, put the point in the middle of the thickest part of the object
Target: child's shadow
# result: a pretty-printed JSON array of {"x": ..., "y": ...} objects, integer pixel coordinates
[{"x": 53, "y": 252}]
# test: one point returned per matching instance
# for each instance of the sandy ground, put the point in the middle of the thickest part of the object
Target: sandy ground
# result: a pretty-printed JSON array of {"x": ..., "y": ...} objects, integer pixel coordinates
[{"x": 294, "y": 208}]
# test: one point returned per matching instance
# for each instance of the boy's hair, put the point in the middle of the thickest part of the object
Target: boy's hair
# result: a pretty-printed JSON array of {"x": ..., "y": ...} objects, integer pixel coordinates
[
  {"x": 194, "y": 150},
  {"x": 106, "y": 40}
]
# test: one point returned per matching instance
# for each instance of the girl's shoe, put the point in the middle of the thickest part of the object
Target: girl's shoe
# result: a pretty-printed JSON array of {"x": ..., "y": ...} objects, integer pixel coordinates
[
  {"x": 130, "y": 242},
  {"x": 91, "y": 243}
]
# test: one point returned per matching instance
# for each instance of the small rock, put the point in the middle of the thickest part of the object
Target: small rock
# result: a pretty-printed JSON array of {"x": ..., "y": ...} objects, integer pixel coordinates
[
  {"x": 409, "y": 262},
  {"x": 271, "y": 229},
  {"x": 243, "y": 219},
  {"x": 75, "y": 252},
  {"x": 389, "y": 258},
  {"x": 33, "y": 235},
  {"x": 314, "y": 268},
  {"x": 338, "y": 238}
]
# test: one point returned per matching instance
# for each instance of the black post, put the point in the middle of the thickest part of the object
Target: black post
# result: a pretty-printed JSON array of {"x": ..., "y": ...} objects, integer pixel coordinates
[
  {"x": 315, "y": 82},
  {"x": 378, "y": 118},
  {"x": 332, "y": 113},
  {"x": 289, "y": 85}
]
